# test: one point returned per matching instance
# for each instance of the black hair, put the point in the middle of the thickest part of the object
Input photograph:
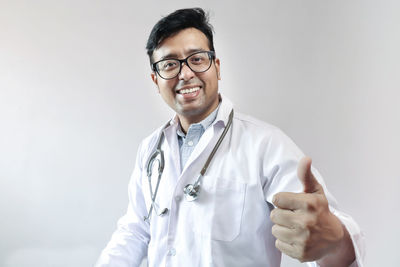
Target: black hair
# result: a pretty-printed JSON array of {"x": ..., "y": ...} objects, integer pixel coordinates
[{"x": 177, "y": 21}]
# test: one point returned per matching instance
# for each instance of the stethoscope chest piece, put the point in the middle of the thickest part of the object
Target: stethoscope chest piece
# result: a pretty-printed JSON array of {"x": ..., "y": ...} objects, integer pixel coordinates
[{"x": 191, "y": 192}]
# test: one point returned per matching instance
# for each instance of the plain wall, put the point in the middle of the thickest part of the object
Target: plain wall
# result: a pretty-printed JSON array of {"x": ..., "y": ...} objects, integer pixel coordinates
[{"x": 76, "y": 99}]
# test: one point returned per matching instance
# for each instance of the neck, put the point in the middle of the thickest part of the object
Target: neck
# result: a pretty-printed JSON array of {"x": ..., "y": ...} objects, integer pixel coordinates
[{"x": 186, "y": 121}]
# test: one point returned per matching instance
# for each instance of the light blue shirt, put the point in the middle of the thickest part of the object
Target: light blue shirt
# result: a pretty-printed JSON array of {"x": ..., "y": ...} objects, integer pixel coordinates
[{"x": 188, "y": 142}]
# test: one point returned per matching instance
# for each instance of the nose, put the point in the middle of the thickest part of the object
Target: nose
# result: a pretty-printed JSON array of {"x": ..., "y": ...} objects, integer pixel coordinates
[{"x": 186, "y": 73}]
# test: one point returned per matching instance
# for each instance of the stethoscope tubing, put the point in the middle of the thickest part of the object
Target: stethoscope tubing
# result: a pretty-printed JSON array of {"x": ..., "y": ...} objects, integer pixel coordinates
[{"x": 191, "y": 191}]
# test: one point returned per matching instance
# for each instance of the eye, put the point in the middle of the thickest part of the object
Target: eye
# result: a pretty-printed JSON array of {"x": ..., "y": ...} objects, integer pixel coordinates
[
  {"x": 168, "y": 65},
  {"x": 197, "y": 59}
]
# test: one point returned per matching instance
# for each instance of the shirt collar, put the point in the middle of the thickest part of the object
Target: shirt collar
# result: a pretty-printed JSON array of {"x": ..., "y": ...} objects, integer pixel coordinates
[
  {"x": 204, "y": 123},
  {"x": 221, "y": 112}
]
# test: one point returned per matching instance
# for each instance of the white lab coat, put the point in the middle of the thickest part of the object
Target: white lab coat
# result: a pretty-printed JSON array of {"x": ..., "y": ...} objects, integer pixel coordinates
[{"x": 229, "y": 224}]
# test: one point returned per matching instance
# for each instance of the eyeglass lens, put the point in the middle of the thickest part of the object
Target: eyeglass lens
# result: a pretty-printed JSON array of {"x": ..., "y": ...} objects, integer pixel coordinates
[{"x": 170, "y": 68}]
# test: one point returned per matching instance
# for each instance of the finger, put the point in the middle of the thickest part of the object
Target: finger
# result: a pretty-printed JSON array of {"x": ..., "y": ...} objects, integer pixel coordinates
[
  {"x": 287, "y": 248},
  {"x": 284, "y": 234},
  {"x": 310, "y": 184},
  {"x": 289, "y": 200},
  {"x": 286, "y": 218}
]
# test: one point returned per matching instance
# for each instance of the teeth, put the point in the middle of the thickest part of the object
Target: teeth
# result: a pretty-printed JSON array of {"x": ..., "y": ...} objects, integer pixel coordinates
[{"x": 190, "y": 90}]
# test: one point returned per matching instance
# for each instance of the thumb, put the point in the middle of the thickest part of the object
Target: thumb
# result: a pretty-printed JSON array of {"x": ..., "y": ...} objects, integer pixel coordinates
[{"x": 310, "y": 184}]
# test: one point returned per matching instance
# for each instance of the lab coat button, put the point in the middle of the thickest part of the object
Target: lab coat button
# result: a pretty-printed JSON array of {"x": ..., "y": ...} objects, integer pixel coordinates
[
  {"x": 171, "y": 252},
  {"x": 178, "y": 198}
]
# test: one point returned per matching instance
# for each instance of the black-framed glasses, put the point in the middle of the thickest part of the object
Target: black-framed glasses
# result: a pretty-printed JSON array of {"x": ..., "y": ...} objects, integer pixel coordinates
[{"x": 171, "y": 67}]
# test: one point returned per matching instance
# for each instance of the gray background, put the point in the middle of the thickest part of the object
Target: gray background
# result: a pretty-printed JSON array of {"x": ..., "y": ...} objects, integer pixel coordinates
[{"x": 76, "y": 99}]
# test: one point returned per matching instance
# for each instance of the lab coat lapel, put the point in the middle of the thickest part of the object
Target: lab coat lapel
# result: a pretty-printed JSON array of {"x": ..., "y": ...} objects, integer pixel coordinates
[{"x": 172, "y": 156}]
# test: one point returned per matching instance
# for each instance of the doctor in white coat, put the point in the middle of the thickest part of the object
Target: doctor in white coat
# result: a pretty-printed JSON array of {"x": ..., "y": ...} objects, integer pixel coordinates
[{"x": 258, "y": 196}]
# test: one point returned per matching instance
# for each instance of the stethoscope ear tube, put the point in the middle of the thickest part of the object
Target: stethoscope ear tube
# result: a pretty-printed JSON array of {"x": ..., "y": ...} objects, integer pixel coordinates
[
  {"x": 153, "y": 158},
  {"x": 161, "y": 163}
]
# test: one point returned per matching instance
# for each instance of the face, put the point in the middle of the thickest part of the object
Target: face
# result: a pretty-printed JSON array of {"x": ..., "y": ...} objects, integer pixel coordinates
[{"x": 190, "y": 105}]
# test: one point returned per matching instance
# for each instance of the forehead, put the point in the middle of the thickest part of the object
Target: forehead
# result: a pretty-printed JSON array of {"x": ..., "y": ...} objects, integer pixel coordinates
[{"x": 181, "y": 44}]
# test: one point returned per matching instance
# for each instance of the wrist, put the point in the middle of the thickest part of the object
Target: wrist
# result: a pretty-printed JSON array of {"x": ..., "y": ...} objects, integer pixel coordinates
[{"x": 342, "y": 255}]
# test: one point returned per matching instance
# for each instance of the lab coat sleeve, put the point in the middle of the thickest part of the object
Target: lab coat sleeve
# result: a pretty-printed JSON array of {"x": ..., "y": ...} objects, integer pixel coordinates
[
  {"x": 351, "y": 226},
  {"x": 128, "y": 244},
  {"x": 356, "y": 235},
  {"x": 280, "y": 172}
]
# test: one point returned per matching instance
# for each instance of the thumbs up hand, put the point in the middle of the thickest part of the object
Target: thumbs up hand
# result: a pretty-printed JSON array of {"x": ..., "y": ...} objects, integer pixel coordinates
[{"x": 304, "y": 227}]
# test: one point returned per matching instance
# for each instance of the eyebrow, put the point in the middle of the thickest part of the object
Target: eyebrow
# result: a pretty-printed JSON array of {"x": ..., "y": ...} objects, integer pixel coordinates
[{"x": 173, "y": 55}]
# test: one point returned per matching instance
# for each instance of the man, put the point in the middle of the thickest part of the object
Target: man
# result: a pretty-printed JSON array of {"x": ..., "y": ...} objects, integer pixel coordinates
[{"x": 256, "y": 195}]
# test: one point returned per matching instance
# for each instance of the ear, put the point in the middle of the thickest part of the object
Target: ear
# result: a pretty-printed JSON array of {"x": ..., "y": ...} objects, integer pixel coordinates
[
  {"x": 217, "y": 67},
  {"x": 154, "y": 79}
]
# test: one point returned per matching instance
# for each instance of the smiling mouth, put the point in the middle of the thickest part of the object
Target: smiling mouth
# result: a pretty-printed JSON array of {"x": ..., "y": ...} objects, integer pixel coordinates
[{"x": 188, "y": 90}]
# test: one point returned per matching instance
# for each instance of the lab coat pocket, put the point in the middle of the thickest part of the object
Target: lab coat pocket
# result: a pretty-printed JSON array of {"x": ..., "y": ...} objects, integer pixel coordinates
[{"x": 220, "y": 208}]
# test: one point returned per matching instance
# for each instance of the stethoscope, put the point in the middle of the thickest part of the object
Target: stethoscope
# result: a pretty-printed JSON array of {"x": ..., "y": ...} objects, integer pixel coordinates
[{"x": 191, "y": 191}]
